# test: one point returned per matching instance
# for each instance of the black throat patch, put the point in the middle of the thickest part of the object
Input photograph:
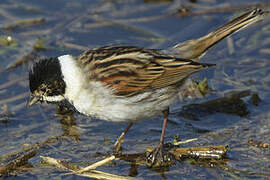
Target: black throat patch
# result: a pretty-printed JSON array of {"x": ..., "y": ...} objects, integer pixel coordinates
[{"x": 46, "y": 74}]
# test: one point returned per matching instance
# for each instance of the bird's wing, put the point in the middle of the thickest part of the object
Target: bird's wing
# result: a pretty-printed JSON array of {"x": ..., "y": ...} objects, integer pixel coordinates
[{"x": 131, "y": 70}]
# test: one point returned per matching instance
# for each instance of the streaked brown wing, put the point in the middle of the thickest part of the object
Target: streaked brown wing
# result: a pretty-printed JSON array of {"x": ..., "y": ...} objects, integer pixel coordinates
[{"x": 131, "y": 70}]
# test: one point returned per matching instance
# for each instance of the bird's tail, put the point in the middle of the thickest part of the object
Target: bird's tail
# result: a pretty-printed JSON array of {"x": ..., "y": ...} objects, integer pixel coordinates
[{"x": 196, "y": 48}]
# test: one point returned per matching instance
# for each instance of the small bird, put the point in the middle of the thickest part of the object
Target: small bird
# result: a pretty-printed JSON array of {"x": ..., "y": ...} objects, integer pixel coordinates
[{"x": 126, "y": 83}]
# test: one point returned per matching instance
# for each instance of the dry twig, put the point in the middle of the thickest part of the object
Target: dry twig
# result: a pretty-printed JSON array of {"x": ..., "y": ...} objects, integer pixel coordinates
[
  {"x": 97, "y": 164},
  {"x": 18, "y": 162},
  {"x": 214, "y": 152},
  {"x": 81, "y": 171},
  {"x": 184, "y": 12},
  {"x": 24, "y": 23}
]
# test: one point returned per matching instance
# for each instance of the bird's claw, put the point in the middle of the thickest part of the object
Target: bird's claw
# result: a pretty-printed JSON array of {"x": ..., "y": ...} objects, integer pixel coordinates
[{"x": 158, "y": 158}]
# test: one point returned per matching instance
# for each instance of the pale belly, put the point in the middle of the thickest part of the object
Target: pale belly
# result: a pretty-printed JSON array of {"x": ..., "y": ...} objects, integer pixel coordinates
[{"x": 131, "y": 109}]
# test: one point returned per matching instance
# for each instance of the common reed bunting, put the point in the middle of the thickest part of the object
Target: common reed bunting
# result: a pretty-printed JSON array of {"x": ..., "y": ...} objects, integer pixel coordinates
[{"x": 127, "y": 83}]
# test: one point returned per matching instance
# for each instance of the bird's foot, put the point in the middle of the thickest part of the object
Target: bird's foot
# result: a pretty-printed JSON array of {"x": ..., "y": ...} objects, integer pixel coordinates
[
  {"x": 158, "y": 157},
  {"x": 118, "y": 145}
]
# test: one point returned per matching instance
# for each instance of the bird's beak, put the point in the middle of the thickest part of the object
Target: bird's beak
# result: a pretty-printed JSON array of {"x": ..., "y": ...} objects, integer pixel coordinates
[{"x": 32, "y": 100}]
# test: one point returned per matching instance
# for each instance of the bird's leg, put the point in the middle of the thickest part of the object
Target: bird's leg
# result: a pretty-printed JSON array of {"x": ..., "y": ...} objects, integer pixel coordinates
[
  {"x": 118, "y": 143},
  {"x": 165, "y": 119},
  {"x": 158, "y": 156}
]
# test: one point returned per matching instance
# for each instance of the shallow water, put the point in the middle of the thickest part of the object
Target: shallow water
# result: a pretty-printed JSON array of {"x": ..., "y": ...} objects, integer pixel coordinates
[{"x": 72, "y": 26}]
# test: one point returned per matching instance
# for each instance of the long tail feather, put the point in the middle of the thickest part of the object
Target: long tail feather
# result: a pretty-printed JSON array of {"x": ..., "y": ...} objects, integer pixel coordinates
[{"x": 196, "y": 48}]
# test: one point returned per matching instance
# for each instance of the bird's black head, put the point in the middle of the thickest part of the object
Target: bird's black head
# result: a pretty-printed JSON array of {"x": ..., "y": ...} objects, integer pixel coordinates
[{"x": 46, "y": 81}]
